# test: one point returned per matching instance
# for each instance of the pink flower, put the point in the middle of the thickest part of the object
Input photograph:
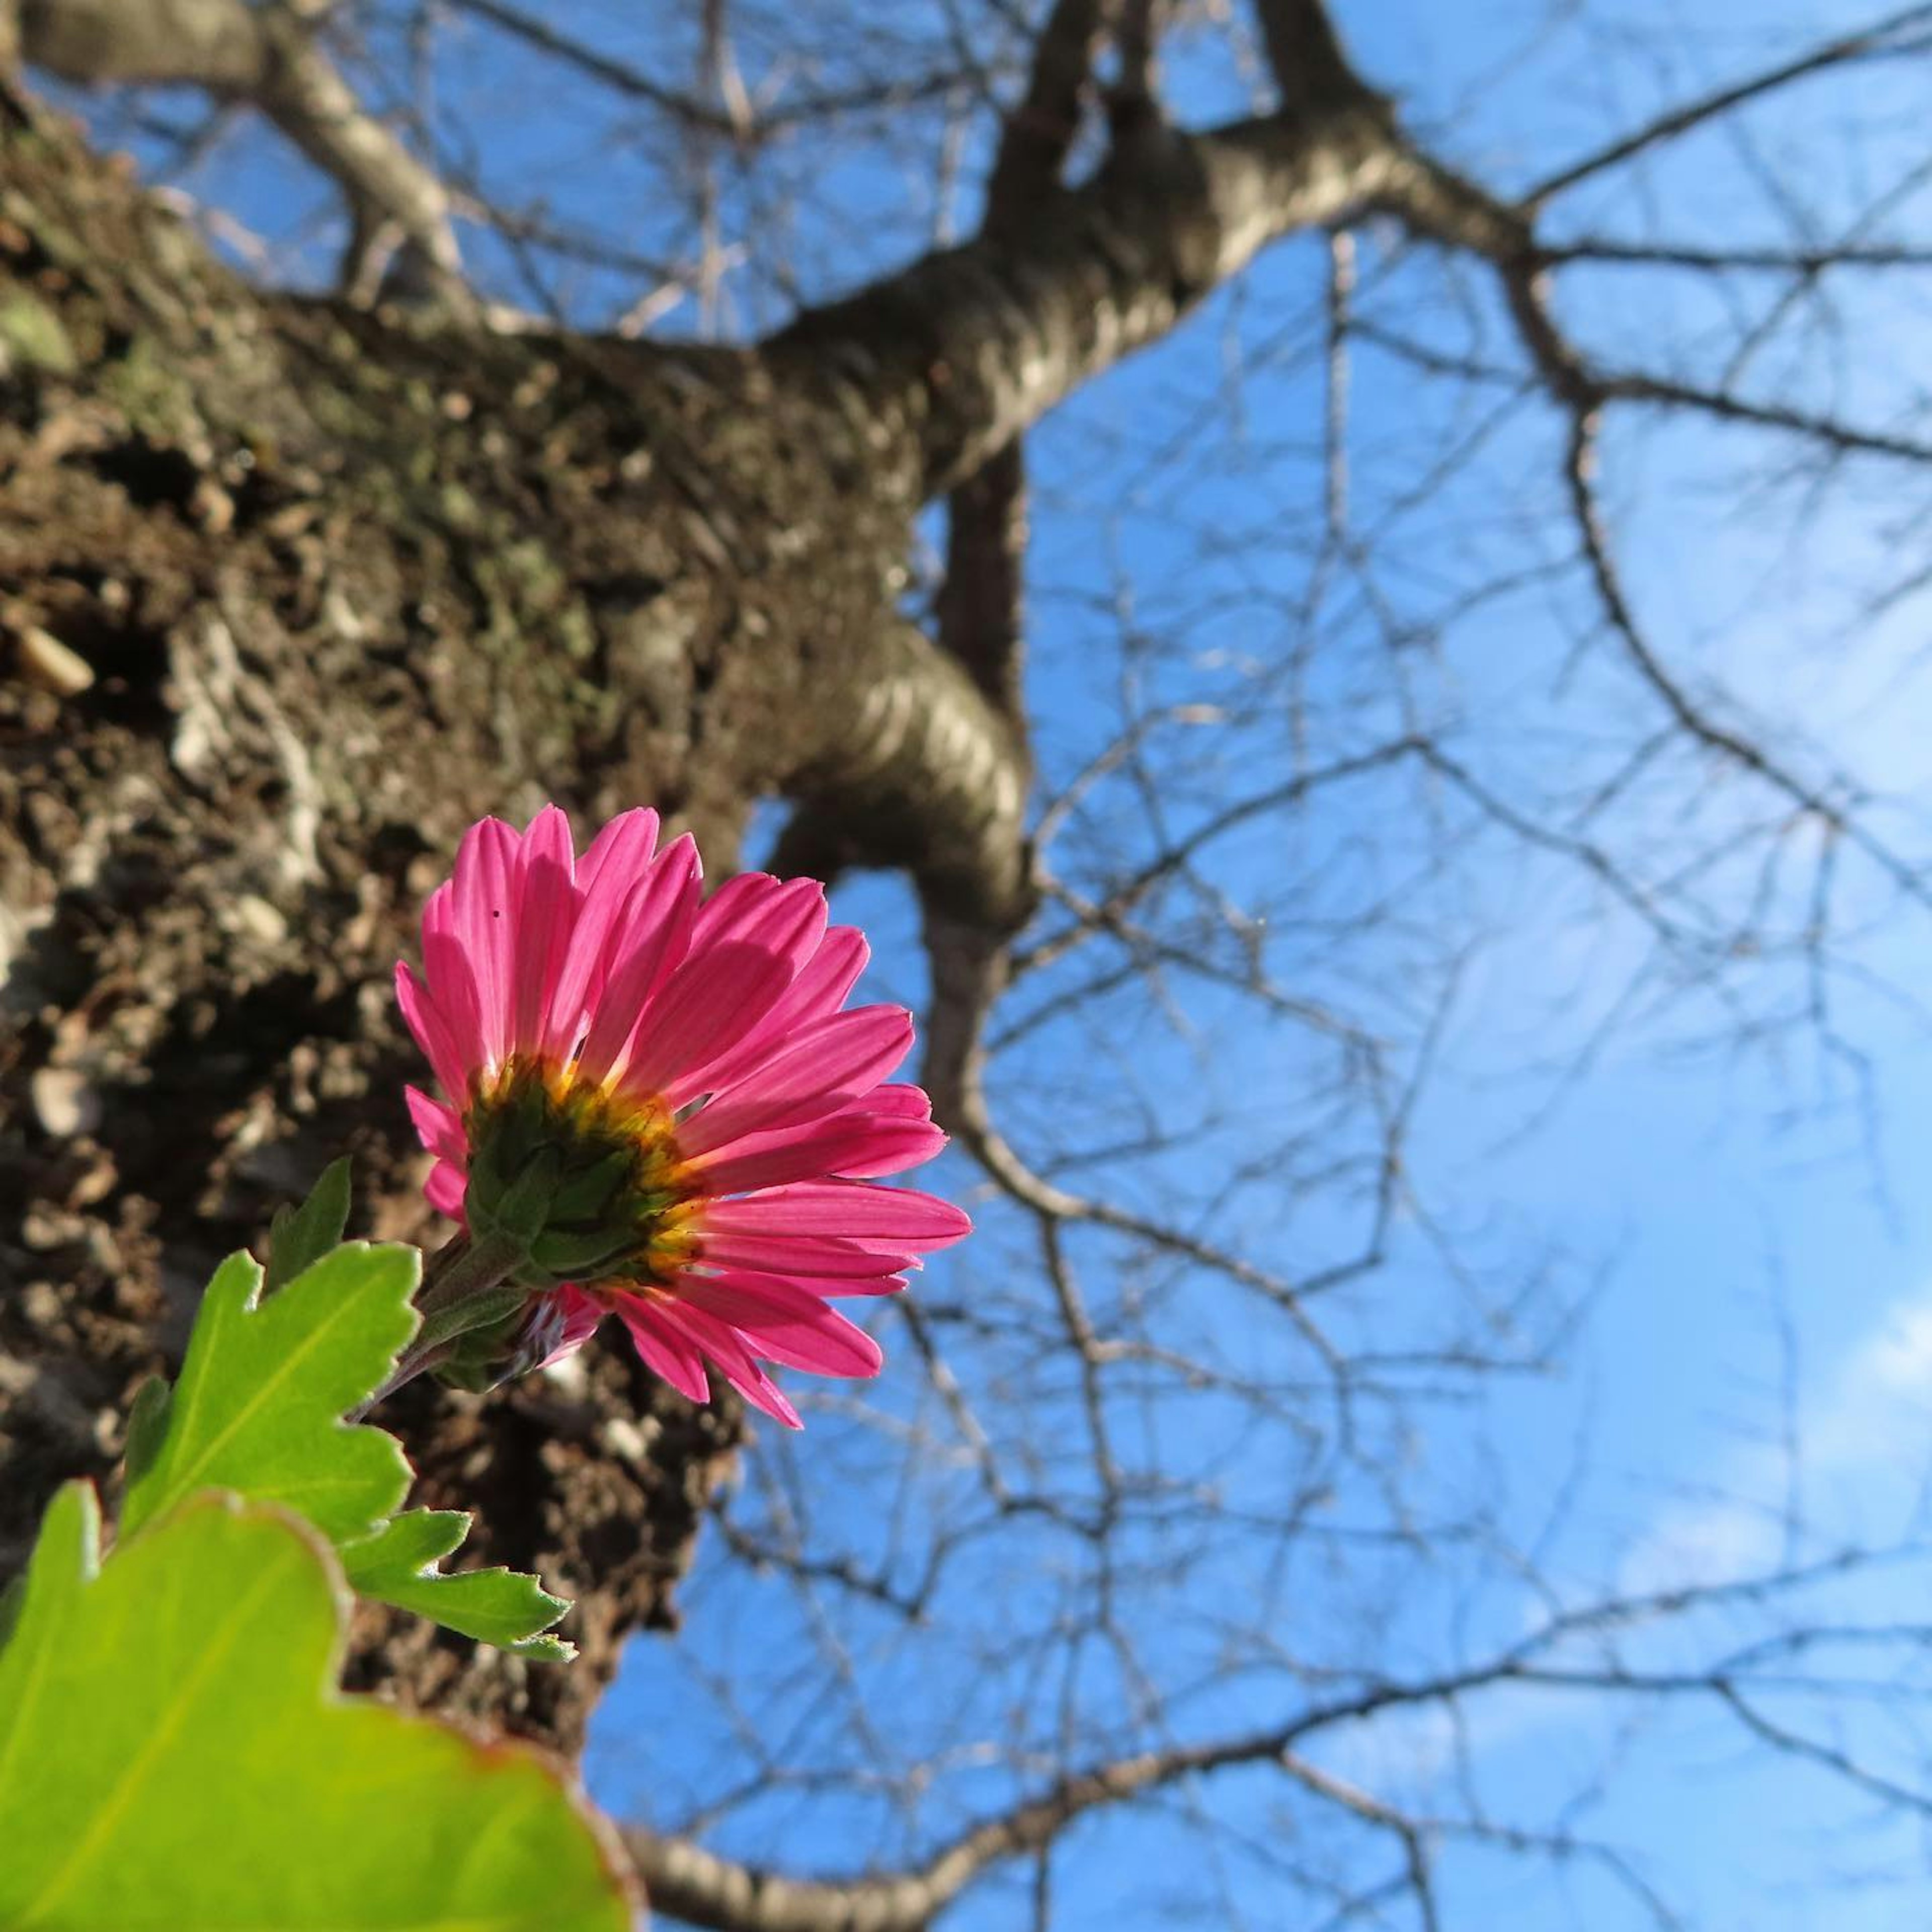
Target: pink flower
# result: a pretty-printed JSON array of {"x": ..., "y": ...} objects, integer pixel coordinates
[{"x": 676, "y": 1083}]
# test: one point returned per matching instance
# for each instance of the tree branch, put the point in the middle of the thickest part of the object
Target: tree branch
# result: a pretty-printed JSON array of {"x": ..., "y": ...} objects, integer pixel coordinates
[
  {"x": 1877, "y": 41},
  {"x": 700, "y": 1889},
  {"x": 269, "y": 57},
  {"x": 763, "y": 123},
  {"x": 968, "y": 348}
]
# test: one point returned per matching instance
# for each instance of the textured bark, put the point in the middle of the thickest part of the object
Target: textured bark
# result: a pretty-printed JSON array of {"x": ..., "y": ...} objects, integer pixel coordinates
[
  {"x": 290, "y": 592},
  {"x": 288, "y": 595}
]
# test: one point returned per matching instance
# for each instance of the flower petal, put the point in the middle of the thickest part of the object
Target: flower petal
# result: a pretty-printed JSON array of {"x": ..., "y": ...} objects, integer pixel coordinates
[
  {"x": 725, "y": 1347},
  {"x": 450, "y": 978},
  {"x": 569, "y": 1318},
  {"x": 444, "y": 1189},
  {"x": 646, "y": 944},
  {"x": 613, "y": 859},
  {"x": 438, "y": 1127},
  {"x": 483, "y": 907},
  {"x": 829, "y": 1065},
  {"x": 432, "y": 1033},
  {"x": 605, "y": 933},
  {"x": 784, "y": 1324},
  {"x": 848, "y": 1210},
  {"x": 546, "y": 915},
  {"x": 817, "y": 1257},
  {"x": 783, "y": 915},
  {"x": 900, "y": 1102},
  {"x": 666, "y": 1349},
  {"x": 707, "y": 1005},
  {"x": 820, "y": 988},
  {"x": 857, "y": 1144}
]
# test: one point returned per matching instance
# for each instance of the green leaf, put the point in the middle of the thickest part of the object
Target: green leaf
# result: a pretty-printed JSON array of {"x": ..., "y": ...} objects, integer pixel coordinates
[
  {"x": 258, "y": 1410},
  {"x": 147, "y": 1424},
  {"x": 398, "y": 1565},
  {"x": 172, "y": 1757},
  {"x": 259, "y": 1405},
  {"x": 298, "y": 1237}
]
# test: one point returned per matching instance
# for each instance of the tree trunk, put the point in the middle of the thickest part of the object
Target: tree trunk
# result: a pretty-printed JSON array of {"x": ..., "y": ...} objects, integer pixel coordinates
[
  {"x": 290, "y": 592},
  {"x": 288, "y": 595}
]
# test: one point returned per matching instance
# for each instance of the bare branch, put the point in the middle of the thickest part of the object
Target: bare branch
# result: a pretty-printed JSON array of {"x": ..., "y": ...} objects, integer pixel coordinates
[
  {"x": 1883, "y": 39},
  {"x": 700, "y": 1889},
  {"x": 269, "y": 57},
  {"x": 747, "y": 129},
  {"x": 1744, "y": 260}
]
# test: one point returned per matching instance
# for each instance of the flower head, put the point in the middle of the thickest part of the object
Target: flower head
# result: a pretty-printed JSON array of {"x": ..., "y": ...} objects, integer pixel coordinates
[{"x": 660, "y": 1104}]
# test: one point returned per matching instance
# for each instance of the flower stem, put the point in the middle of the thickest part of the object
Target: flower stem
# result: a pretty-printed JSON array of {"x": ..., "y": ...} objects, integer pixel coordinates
[
  {"x": 463, "y": 1272},
  {"x": 413, "y": 1361},
  {"x": 466, "y": 1285}
]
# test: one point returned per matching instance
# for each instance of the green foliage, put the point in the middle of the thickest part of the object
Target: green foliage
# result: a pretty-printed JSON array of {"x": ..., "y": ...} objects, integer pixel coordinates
[
  {"x": 259, "y": 1406},
  {"x": 259, "y": 1411},
  {"x": 398, "y": 1565},
  {"x": 298, "y": 1237},
  {"x": 148, "y": 1424},
  {"x": 171, "y": 1755}
]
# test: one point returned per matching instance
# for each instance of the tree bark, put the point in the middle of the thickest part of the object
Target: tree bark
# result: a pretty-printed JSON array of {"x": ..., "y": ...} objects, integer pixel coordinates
[{"x": 288, "y": 594}]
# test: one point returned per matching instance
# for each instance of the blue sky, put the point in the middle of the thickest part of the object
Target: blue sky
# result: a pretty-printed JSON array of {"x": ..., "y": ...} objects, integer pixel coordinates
[
  {"x": 1748, "y": 1234},
  {"x": 1764, "y": 1262}
]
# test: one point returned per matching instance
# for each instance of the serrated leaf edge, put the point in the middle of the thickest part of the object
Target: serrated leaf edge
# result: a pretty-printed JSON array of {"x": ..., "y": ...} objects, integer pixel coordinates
[
  {"x": 242, "y": 1264},
  {"x": 540, "y": 1644}
]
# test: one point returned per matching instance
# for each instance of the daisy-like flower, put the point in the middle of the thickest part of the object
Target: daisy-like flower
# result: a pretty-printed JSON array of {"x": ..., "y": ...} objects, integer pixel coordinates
[{"x": 657, "y": 1104}]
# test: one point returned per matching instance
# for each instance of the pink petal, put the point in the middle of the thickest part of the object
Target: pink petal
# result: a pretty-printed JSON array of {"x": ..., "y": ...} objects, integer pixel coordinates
[
  {"x": 739, "y": 896},
  {"x": 820, "y": 1287},
  {"x": 785, "y": 1324},
  {"x": 902, "y": 1102},
  {"x": 438, "y": 1127},
  {"x": 618, "y": 855},
  {"x": 791, "y": 923},
  {"x": 666, "y": 1350},
  {"x": 707, "y": 1005},
  {"x": 848, "y": 1210},
  {"x": 546, "y": 915},
  {"x": 483, "y": 909},
  {"x": 574, "y": 1317},
  {"x": 444, "y": 1189},
  {"x": 726, "y": 1347},
  {"x": 820, "y": 988},
  {"x": 436, "y": 916},
  {"x": 877, "y": 1284},
  {"x": 783, "y": 915},
  {"x": 432, "y": 1032},
  {"x": 851, "y": 1144},
  {"x": 829, "y": 1064},
  {"x": 817, "y": 1257},
  {"x": 607, "y": 878},
  {"x": 784, "y": 918},
  {"x": 647, "y": 940},
  {"x": 450, "y": 977}
]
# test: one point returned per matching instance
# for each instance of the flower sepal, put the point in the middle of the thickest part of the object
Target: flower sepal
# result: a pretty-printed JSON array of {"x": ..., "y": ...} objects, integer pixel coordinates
[
  {"x": 472, "y": 1284},
  {"x": 555, "y": 1181},
  {"x": 559, "y": 1255},
  {"x": 479, "y": 1359},
  {"x": 517, "y": 1168}
]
